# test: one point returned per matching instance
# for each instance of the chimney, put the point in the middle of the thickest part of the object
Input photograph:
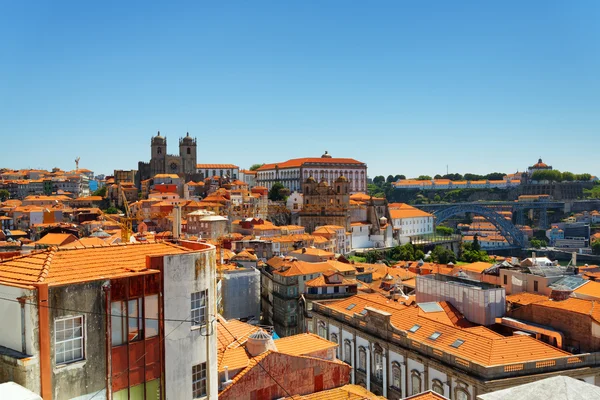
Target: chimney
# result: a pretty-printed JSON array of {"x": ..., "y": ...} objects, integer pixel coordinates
[
  {"x": 574, "y": 259},
  {"x": 303, "y": 250},
  {"x": 533, "y": 260},
  {"x": 221, "y": 254},
  {"x": 176, "y": 222}
]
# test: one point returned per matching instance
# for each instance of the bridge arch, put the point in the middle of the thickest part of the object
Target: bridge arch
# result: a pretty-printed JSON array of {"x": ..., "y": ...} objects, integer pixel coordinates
[{"x": 512, "y": 234}]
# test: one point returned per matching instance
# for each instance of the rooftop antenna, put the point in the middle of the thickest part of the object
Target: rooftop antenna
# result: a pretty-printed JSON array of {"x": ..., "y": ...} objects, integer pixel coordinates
[{"x": 77, "y": 164}]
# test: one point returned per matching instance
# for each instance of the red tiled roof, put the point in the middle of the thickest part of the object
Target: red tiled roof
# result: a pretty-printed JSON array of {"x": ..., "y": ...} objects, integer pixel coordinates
[{"x": 298, "y": 162}]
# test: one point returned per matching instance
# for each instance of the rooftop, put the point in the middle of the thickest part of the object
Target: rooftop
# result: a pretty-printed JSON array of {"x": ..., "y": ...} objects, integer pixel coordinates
[{"x": 61, "y": 266}]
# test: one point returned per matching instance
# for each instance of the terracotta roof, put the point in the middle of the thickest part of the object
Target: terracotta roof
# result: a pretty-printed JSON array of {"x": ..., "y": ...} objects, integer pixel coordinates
[
  {"x": 525, "y": 298},
  {"x": 400, "y": 211},
  {"x": 312, "y": 251},
  {"x": 298, "y": 162},
  {"x": 56, "y": 239},
  {"x": 216, "y": 166},
  {"x": 60, "y": 266},
  {"x": 86, "y": 242},
  {"x": 478, "y": 267},
  {"x": 303, "y": 344},
  {"x": 320, "y": 281},
  {"x": 347, "y": 392},
  {"x": 296, "y": 267},
  {"x": 588, "y": 289},
  {"x": 233, "y": 329},
  {"x": 428, "y": 395},
  {"x": 480, "y": 345}
]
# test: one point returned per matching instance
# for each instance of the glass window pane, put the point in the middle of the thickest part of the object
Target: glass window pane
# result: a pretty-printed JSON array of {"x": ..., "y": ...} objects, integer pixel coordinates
[
  {"x": 153, "y": 390},
  {"x": 121, "y": 395},
  {"x": 117, "y": 323},
  {"x": 136, "y": 392},
  {"x": 151, "y": 315},
  {"x": 133, "y": 332}
]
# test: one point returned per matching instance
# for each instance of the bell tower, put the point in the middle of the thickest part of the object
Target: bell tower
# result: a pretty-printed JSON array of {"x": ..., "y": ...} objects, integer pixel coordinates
[
  {"x": 187, "y": 152},
  {"x": 158, "y": 145}
]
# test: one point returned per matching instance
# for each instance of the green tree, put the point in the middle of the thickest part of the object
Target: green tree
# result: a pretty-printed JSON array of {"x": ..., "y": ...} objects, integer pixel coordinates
[
  {"x": 438, "y": 176},
  {"x": 276, "y": 192},
  {"x": 475, "y": 244},
  {"x": 583, "y": 177},
  {"x": 495, "y": 176},
  {"x": 443, "y": 255},
  {"x": 424, "y": 178},
  {"x": 419, "y": 254},
  {"x": 100, "y": 192},
  {"x": 112, "y": 210},
  {"x": 437, "y": 198},
  {"x": 551, "y": 175},
  {"x": 473, "y": 177},
  {"x": 568, "y": 176},
  {"x": 399, "y": 177},
  {"x": 379, "y": 179},
  {"x": 596, "y": 247},
  {"x": 390, "y": 179},
  {"x": 444, "y": 230},
  {"x": 537, "y": 243},
  {"x": 4, "y": 195},
  {"x": 254, "y": 167}
]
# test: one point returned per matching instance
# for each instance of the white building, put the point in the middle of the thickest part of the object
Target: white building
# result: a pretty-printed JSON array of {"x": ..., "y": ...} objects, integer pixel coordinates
[
  {"x": 408, "y": 221},
  {"x": 221, "y": 170},
  {"x": 293, "y": 173},
  {"x": 190, "y": 293}
]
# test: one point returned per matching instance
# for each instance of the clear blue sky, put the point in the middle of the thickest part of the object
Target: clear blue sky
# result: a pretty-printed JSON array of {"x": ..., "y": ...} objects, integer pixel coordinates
[{"x": 406, "y": 87}]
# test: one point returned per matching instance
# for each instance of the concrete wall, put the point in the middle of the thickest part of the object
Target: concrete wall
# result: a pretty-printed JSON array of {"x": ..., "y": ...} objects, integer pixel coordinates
[
  {"x": 186, "y": 346},
  {"x": 83, "y": 378},
  {"x": 14, "y": 365},
  {"x": 299, "y": 375},
  {"x": 241, "y": 294}
]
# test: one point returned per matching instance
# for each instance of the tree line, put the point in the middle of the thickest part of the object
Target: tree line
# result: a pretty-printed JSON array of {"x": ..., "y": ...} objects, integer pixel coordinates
[{"x": 554, "y": 175}]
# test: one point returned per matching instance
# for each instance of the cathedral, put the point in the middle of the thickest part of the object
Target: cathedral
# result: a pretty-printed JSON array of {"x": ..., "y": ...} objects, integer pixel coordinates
[{"x": 161, "y": 162}]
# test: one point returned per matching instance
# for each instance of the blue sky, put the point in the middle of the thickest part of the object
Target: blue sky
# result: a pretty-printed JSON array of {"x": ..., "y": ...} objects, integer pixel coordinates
[{"x": 407, "y": 87}]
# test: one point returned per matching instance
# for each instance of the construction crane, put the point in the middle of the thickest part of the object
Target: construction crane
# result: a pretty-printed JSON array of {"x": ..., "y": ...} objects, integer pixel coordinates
[{"x": 127, "y": 224}]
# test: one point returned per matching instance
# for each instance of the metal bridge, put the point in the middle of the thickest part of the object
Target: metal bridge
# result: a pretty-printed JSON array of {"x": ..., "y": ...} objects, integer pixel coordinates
[{"x": 489, "y": 210}]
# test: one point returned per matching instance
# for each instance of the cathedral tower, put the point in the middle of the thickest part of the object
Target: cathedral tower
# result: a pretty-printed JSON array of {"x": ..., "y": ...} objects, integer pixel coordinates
[
  {"x": 187, "y": 153},
  {"x": 158, "y": 145}
]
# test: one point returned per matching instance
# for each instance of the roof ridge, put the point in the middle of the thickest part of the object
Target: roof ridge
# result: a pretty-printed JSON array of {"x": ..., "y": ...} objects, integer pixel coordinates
[{"x": 46, "y": 266}]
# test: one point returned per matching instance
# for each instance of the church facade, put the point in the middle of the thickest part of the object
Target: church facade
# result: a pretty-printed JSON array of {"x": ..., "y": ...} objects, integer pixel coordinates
[{"x": 161, "y": 162}]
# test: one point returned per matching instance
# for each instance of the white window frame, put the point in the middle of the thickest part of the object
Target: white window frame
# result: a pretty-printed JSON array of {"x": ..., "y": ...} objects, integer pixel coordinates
[
  {"x": 199, "y": 380},
  {"x": 199, "y": 307},
  {"x": 69, "y": 340}
]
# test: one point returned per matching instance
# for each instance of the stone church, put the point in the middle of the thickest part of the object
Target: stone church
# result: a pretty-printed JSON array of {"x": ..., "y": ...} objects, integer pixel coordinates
[
  {"x": 161, "y": 162},
  {"x": 324, "y": 204}
]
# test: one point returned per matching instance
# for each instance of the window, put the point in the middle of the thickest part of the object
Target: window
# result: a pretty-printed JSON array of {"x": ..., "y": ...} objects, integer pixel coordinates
[
  {"x": 199, "y": 307},
  {"x": 396, "y": 376},
  {"x": 457, "y": 343},
  {"x": 199, "y": 380},
  {"x": 437, "y": 386},
  {"x": 462, "y": 394},
  {"x": 334, "y": 339},
  {"x": 435, "y": 335},
  {"x": 135, "y": 329},
  {"x": 68, "y": 339},
  {"x": 189, "y": 151},
  {"x": 322, "y": 330},
  {"x": 118, "y": 313},
  {"x": 347, "y": 352},
  {"x": 416, "y": 383},
  {"x": 159, "y": 150},
  {"x": 151, "y": 315},
  {"x": 379, "y": 365},
  {"x": 362, "y": 359},
  {"x": 414, "y": 328},
  {"x": 506, "y": 279},
  {"x": 535, "y": 286}
]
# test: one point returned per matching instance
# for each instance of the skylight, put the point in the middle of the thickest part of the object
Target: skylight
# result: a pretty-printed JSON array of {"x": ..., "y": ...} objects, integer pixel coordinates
[
  {"x": 435, "y": 335},
  {"x": 457, "y": 343},
  {"x": 414, "y": 328},
  {"x": 351, "y": 306},
  {"x": 363, "y": 312}
]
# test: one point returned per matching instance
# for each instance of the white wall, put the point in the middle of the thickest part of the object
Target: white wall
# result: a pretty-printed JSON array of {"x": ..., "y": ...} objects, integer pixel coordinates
[
  {"x": 10, "y": 315},
  {"x": 186, "y": 346}
]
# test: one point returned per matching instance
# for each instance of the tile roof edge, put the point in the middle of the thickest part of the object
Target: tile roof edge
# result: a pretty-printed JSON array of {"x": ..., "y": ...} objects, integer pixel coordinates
[{"x": 46, "y": 266}]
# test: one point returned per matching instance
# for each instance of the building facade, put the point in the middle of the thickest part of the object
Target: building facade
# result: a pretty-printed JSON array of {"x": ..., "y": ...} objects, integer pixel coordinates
[
  {"x": 161, "y": 162},
  {"x": 293, "y": 173},
  {"x": 325, "y": 204}
]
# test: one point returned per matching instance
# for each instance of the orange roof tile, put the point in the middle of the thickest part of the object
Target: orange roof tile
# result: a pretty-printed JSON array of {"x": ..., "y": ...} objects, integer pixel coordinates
[
  {"x": 60, "y": 266},
  {"x": 480, "y": 345},
  {"x": 347, "y": 392},
  {"x": 298, "y": 162},
  {"x": 428, "y": 395},
  {"x": 303, "y": 344},
  {"x": 588, "y": 289},
  {"x": 525, "y": 298},
  {"x": 216, "y": 166},
  {"x": 400, "y": 211}
]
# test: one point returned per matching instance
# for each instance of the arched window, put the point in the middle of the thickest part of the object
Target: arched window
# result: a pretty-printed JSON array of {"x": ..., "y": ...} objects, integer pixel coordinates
[
  {"x": 347, "y": 352},
  {"x": 397, "y": 377},
  {"x": 322, "y": 330},
  {"x": 415, "y": 380},
  {"x": 334, "y": 338},
  {"x": 159, "y": 150},
  {"x": 189, "y": 151},
  {"x": 462, "y": 394},
  {"x": 362, "y": 359},
  {"x": 437, "y": 386},
  {"x": 379, "y": 363}
]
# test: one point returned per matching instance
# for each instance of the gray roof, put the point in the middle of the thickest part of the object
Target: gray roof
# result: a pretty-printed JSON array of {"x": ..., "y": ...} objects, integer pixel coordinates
[{"x": 556, "y": 388}]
